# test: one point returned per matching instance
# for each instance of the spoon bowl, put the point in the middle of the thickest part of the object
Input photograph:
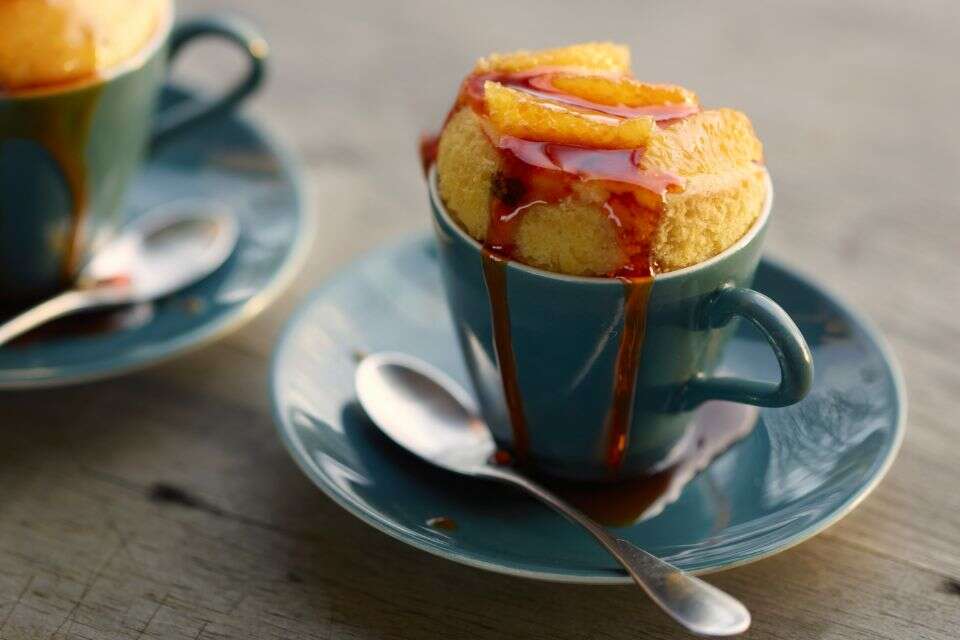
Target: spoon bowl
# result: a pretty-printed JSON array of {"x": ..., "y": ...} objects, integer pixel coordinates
[
  {"x": 166, "y": 249},
  {"x": 162, "y": 251},
  {"x": 397, "y": 391}
]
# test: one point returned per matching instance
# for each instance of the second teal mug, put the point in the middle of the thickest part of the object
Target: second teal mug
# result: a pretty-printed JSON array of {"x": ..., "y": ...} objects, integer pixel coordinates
[
  {"x": 566, "y": 337},
  {"x": 68, "y": 153}
]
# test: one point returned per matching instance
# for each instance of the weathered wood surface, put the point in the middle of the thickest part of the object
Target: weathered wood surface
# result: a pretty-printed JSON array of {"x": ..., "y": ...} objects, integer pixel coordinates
[{"x": 857, "y": 105}]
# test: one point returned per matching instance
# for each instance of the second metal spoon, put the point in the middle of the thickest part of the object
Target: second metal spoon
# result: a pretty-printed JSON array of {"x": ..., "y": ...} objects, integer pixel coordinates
[
  {"x": 425, "y": 412},
  {"x": 162, "y": 251}
]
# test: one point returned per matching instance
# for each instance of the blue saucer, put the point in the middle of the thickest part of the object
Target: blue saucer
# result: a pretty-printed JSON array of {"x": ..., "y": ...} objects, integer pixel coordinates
[
  {"x": 801, "y": 469},
  {"x": 230, "y": 160}
]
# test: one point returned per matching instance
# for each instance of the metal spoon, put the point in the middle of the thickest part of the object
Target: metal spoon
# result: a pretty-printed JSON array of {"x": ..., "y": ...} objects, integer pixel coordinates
[
  {"x": 160, "y": 252},
  {"x": 425, "y": 412}
]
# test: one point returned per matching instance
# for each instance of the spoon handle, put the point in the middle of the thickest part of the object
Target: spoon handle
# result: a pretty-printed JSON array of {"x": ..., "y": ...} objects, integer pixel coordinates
[
  {"x": 695, "y": 604},
  {"x": 61, "y": 305}
]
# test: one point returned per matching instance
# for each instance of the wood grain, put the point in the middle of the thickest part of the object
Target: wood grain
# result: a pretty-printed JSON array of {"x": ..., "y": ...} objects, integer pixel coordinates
[{"x": 856, "y": 103}]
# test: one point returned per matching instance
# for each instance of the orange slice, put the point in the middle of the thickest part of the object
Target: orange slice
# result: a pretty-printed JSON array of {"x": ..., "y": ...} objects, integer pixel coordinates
[
  {"x": 518, "y": 114},
  {"x": 621, "y": 91}
]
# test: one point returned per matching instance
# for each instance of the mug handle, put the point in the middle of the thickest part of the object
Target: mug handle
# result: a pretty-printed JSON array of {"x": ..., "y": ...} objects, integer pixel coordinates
[
  {"x": 789, "y": 347},
  {"x": 181, "y": 116}
]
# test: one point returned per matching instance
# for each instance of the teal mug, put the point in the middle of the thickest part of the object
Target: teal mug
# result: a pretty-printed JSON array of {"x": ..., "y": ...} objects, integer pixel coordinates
[
  {"x": 565, "y": 377},
  {"x": 68, "y": 153}
]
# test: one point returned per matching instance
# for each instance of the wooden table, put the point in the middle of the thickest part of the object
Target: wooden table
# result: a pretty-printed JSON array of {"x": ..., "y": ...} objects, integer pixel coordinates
[{"x": 163, "y": 505}]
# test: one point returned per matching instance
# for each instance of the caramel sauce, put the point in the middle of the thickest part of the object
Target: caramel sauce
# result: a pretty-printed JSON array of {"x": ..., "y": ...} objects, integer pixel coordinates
[
  {"x": 615, "y": 504},
  {"x": 442, "y": 523},
  {"x": 617, "y": 429},
  {"x": 495, "y": 274},
  {"x": 536, "y": 172},
  {"x": 429, "y": 147},
  {"x": 61, "y": 127},
  {"x": 716, "y": 427}
]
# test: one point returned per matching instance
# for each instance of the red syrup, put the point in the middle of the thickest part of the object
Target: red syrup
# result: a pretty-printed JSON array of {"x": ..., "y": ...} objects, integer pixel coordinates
[
  {"x": 716, "y": 427},
  {"x": 429, "y": 147},
  {"x": 442, "y": 523},
  {"x": 536, "y": 172},
  {"x": 539, "y": 83}
]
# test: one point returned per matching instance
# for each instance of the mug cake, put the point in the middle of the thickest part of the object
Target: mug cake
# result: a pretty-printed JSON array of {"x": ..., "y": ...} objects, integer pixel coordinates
[{"x": 54, "y": 42}]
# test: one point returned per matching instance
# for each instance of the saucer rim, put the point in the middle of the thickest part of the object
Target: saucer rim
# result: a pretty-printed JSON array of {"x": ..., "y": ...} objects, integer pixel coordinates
[
  {"x": 211, "y": 332},
  {"x": 375, "y": 520}
]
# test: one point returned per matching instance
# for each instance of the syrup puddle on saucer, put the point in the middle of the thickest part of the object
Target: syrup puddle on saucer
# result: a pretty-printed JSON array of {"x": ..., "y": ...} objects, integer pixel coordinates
[{"x": 716, "y": 427}]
